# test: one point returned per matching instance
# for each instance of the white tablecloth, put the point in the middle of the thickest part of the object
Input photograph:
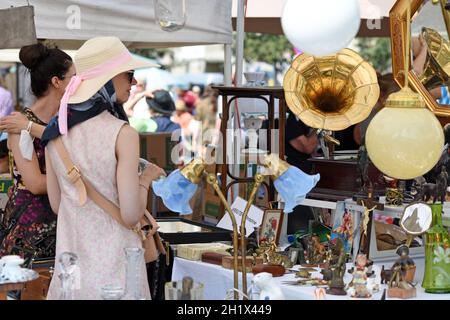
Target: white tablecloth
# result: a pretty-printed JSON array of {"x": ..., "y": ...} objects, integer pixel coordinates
[{"x": 218, "y": 281}]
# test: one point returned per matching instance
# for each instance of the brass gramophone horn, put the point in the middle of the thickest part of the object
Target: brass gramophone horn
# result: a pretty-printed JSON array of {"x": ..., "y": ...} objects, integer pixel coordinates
[
  {"x": 331, "y": 92},
  {"x": 437, "y": 65}
]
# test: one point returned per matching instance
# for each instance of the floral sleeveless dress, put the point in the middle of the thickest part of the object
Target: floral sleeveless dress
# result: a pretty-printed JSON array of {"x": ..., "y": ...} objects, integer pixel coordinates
[{"x": 28, "y": 228}]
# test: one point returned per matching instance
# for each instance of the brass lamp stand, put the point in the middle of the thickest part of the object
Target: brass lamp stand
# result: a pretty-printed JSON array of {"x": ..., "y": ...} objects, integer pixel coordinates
[{"x": 196, "y": 169}]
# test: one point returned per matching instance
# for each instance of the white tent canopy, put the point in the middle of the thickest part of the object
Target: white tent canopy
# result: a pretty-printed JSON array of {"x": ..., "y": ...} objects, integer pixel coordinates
[
  {"x": 70, "y": 22},
  {"x": 370, "y": 9},
  {"x": 263, "y": 16}
]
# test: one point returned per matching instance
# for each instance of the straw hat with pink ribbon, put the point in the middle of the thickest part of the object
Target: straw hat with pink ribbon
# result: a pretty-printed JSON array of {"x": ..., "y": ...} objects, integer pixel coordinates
[{"x": 96, "y": 62}]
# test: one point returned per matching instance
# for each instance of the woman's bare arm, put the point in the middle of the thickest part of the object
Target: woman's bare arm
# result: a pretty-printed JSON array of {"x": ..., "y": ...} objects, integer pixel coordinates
[
  {"x": 34, "y": 180},
  {"x": 16, "y": 122},
  {"x": 132, "y": 189}
]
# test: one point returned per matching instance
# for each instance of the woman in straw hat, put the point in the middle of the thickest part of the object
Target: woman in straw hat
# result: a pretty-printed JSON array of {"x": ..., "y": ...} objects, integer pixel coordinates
[{"x": 106, "y": 152}]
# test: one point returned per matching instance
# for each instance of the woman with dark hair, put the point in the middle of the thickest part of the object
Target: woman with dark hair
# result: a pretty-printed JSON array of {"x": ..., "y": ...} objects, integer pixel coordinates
[{"x": 29, "y": 225}]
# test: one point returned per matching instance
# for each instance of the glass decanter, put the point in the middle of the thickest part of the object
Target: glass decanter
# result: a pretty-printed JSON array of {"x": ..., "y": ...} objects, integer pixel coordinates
[
  {"x": 437, "y": 255},
  {"x": 69, "y": 275},
  {"x": 135, "y": 261}
]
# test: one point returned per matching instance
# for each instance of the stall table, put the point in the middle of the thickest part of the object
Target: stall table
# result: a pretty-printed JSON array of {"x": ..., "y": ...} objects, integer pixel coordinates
[{"x": 218, "y": 281}]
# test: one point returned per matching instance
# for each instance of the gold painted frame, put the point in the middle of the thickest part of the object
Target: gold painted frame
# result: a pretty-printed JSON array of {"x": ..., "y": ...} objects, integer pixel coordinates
[{"x": 397, "y": 17}]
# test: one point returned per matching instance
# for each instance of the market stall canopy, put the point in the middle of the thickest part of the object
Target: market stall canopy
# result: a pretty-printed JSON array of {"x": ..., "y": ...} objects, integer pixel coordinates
[
  {"x": 68, "y": 23},
  {"x": 263, "y": 16}
]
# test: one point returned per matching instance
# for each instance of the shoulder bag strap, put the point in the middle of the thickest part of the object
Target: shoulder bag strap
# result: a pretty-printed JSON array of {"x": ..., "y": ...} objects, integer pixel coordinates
[{"x": 85, "y": 189}]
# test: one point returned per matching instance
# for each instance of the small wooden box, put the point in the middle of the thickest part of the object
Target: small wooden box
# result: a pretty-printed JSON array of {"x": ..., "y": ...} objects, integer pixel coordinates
[
  {"x": 213, "y": 258},
  {"x": 227, "y": 262},
  {"x": 274, "y": 270}
]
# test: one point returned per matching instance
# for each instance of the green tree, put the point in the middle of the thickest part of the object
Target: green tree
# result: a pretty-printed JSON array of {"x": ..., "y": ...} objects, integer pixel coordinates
[
  {"x": 377, "y": 51},
  {"x": 273, "y": 49}
]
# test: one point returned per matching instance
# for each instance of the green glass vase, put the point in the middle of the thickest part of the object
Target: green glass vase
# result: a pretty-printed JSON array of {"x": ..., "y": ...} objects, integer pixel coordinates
[{"x": 437, "y": 255}]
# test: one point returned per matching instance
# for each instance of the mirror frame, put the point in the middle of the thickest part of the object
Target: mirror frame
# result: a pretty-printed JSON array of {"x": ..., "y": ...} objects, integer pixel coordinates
[
  {"x": 403, "y": 215},
  {"x": 398, "y": 26}
]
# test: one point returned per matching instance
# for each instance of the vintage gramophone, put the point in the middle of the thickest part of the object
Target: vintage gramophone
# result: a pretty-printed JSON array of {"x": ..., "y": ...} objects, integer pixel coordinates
[{"x": 332, "y": 93}]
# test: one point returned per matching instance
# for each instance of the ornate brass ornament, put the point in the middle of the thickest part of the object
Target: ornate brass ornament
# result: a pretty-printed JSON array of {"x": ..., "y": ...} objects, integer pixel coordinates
[{"x": 399, "y": 37}]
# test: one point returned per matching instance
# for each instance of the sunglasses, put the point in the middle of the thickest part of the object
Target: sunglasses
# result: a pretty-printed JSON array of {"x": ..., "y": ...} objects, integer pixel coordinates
[{"x": 130, "y": 75}]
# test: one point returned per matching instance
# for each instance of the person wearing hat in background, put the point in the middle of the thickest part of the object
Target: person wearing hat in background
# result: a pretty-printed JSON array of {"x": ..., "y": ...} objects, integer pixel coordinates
[
  {"x": 105, "y": 149},
  {"x": 161, "y": 109}
]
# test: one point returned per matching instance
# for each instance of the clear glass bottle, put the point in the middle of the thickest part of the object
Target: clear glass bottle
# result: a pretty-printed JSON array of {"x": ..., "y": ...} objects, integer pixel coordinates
[
  {"x": 133, "y": 287},
  {"x": 170, "y": 15},
  {"x": 69, "y": 275},
  {"x": 437, "y": 255}
]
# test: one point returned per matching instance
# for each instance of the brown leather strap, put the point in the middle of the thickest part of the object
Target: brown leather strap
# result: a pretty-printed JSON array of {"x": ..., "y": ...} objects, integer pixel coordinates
[
  {"x": 73, "y": 172},
  {"x": 84, "y": 187}
]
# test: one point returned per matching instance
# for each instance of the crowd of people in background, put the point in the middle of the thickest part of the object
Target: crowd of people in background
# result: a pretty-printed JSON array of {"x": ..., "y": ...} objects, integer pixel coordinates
[{"x": 190, "y": 113}]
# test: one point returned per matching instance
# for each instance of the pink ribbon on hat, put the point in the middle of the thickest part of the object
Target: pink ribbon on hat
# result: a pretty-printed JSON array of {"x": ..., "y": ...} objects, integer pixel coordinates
[{"x": 76, "y": 81}]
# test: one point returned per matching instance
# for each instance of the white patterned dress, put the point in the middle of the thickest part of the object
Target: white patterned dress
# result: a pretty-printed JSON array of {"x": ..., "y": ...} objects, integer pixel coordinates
[{"x": 88, "y": 231}]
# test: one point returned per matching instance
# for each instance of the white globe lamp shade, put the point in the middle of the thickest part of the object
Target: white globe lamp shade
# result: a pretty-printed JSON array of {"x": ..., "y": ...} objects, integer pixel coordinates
[
  {"x": 321, "y": 27},
  {"x": 404, "y": 142}
]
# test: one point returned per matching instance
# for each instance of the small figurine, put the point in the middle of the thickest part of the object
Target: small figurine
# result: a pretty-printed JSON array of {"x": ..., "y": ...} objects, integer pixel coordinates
[
  {"x": 402, "y": 275},
  {"x": 268, "y": 251},
  {"x": 360, "y": 278},
  {"x": 269, "y": 289},
  {"x": 417, "y": 188},
  {"x": 385, "y": 275},
  {"x": 315, "y": 251},
  {"x": 441, "y": 185},
  {"x": 363, "y": 169},
  {"x": 407, "y": 264},
  {"x": 337, "y": 269}
]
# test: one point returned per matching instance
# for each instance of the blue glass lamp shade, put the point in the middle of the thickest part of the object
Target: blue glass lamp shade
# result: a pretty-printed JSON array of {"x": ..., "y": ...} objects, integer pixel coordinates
[
  {"x": 293, "y": 185},
  {"x": 175, "y": 191}
]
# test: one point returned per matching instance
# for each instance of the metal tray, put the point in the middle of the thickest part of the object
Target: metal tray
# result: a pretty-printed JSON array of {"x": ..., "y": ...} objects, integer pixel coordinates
[{"x": 179, "y": 231}]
